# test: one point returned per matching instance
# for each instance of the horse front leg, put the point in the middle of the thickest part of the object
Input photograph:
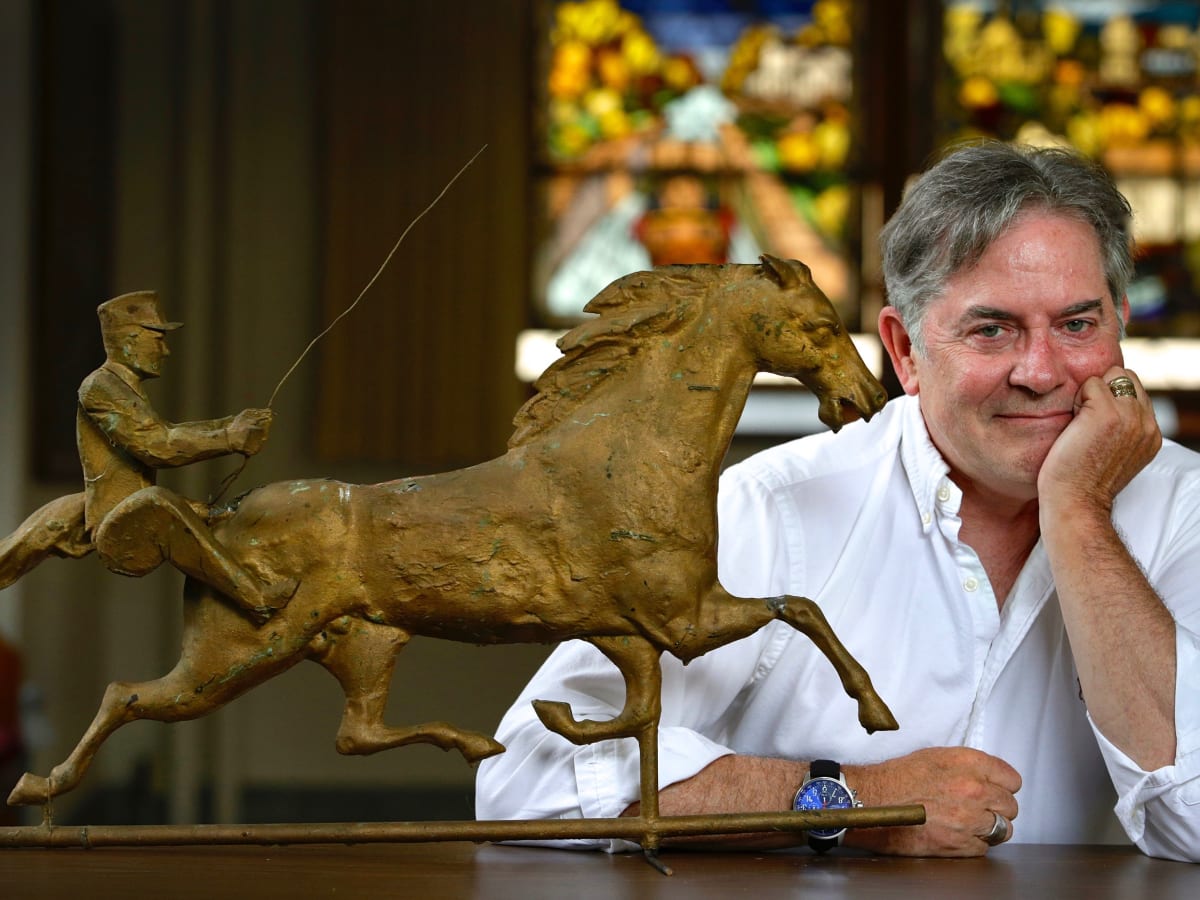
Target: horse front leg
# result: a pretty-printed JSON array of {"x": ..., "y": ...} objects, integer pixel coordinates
[
  {"x": 725, "y": 618},
  {"x": 637, "y": 661},
  {"x": 806, "y": 617}
]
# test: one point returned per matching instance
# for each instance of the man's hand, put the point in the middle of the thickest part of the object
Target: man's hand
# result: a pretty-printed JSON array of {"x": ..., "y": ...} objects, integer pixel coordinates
[
  {"x": 1108, "y": 442},
  {"x": 960, "y": 788},
  {"x": 248, "y": 431}
]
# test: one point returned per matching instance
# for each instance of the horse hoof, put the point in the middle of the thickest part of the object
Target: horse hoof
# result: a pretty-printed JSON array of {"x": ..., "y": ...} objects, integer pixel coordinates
[
  {"x": 556, "y": 716},
  {"x": 31, "y": 790},
  {"x": 877, "y": 717},
  {"x": 474, "y": 751}
]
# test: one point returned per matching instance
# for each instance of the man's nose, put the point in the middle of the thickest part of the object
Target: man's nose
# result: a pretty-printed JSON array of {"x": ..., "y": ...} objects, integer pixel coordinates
[{"x": 1039, "y": 366}]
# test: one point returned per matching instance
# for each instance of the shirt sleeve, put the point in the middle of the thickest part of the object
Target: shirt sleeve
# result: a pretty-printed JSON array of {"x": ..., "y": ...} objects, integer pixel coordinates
[
  {"x": 543, "y": 776},
  {"x": 1160, "y": 809}
]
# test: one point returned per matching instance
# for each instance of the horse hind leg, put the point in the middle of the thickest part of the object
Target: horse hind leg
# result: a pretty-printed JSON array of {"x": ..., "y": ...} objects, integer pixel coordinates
[
  {"x": 361, "y": 656},
  {"x": 171, "y": 698},
  {"x": 210, "y": 674}
]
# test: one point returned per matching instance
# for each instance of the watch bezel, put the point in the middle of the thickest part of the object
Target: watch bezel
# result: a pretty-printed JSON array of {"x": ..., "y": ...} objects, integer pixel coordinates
[{"x": 812, "y": 787}]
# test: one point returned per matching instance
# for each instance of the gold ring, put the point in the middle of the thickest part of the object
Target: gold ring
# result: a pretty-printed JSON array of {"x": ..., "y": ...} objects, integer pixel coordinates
[{"x": 1122, "y": 387}]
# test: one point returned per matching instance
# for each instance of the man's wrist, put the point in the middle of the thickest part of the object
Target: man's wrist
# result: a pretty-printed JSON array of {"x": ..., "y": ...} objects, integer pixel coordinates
[
  {"x": 866, "y": 787},
  {"x": 826, "y": 788},
  {"x": 859, "y": 778}
]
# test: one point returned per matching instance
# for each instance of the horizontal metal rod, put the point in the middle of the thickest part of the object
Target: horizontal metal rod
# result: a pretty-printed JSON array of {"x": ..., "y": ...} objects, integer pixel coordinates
[{"x": 633, "y": 829}]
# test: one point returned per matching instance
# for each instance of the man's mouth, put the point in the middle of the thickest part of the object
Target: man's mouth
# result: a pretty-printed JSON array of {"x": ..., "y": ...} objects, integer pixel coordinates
[{"x": 1037, "y": 416}]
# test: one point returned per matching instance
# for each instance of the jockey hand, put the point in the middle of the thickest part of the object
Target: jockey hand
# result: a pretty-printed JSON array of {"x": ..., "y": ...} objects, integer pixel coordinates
[{"x": 249, "y": 429}]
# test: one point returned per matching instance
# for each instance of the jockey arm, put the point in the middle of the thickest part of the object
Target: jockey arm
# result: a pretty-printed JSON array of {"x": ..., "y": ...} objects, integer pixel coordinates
[{"x": 129, "y": 422}]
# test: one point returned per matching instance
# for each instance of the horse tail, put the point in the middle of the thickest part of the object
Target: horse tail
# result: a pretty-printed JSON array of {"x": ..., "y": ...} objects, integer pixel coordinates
[{"x": 56, "y": 529}]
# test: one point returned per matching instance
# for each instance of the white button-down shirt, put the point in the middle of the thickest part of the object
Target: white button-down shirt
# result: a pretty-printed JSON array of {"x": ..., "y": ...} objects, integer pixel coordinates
[{"x": 866, "y": 523}]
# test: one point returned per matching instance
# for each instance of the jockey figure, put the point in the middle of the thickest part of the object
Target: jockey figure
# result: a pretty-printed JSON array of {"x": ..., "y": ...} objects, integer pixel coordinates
[{"x": 133, "y": 524}]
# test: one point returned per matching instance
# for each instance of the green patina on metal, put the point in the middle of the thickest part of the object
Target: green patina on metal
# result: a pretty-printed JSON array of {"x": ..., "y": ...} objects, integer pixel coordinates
[
  {"x": 254, "y": 660},
  {"x": 625, "y": 534}
]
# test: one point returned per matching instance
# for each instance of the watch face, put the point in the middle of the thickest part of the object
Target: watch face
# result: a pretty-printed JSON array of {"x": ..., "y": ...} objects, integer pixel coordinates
[{"x": 824, "y": 793}]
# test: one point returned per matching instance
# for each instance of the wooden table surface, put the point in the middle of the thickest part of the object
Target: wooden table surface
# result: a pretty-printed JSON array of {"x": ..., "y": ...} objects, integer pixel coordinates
[{"x": 489, "y": 871}]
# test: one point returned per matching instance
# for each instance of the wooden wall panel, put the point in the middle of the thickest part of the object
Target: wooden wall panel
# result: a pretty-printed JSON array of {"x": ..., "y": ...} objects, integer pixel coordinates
[
  {"x": 73, "y": 197},
  {"x": 422, "y": 371}
]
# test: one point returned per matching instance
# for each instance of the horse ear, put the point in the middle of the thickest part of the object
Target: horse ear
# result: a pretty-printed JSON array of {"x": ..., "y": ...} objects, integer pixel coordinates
[{"x": 780, "y": 270}]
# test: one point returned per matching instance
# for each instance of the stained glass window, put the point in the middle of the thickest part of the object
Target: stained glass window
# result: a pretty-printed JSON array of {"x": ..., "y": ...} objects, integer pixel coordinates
[
  {"x": 1117, "y": 79},
  {"x": 702, "y": 131}
]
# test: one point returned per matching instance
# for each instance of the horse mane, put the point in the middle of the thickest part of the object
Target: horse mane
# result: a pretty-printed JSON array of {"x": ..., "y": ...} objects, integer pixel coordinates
[{"x": 633, "y": 308}]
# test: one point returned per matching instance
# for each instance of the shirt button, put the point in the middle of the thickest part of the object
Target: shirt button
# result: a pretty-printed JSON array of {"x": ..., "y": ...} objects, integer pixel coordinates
[
  {"x": 943, "y": 494},
  {"x": 971, "y": 584},
  {"x": 926, "y": 518}
]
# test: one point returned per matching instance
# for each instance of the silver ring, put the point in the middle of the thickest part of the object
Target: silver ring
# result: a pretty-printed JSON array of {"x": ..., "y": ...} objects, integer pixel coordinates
[
  {"x": 1122, "y": 387},
  {"x": 998, "y": 833}
]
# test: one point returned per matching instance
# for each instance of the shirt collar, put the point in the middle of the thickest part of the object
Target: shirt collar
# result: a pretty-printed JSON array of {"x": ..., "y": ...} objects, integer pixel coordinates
[{"x": 928, "y": 473}]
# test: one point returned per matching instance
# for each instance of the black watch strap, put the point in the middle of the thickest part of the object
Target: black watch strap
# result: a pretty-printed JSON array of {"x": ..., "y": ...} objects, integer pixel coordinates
[{"x": 823, "y": 768}]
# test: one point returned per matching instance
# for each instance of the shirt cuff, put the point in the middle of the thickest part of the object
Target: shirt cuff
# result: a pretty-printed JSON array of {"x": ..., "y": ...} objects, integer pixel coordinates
[
  {"x": 608, "y": 773},
  {"x": 1176, "y": 785}
]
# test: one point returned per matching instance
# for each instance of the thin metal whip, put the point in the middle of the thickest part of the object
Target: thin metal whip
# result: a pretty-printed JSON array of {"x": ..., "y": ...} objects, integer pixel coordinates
[
  {"x": 375, "y": 277},
  {"x": 232, "y": 476}
]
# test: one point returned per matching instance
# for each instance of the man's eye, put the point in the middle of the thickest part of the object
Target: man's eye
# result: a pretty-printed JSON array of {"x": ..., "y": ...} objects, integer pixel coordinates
[
  {"x": 990, "y": 331},
  {"x": 1075, "y": 326}
]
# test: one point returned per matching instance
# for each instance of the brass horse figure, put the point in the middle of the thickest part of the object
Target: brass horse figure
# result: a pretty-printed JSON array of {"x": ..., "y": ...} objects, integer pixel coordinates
[{"x": 599, "y": 522}]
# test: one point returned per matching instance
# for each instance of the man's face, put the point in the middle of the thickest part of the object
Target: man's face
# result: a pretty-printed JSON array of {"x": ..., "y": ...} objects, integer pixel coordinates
[
  {"x": 143, "y": 350},
  {"x": 1007, "y": 347}
]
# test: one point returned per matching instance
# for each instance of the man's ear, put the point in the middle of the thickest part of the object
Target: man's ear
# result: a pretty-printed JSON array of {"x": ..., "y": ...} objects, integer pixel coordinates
[
  {"x": 1125, "y": 311},
  {"x": 899, "y": 347}
]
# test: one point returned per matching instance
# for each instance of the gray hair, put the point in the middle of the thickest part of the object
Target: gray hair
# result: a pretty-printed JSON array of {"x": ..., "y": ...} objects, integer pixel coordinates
[{"x": 955, "y": 211}]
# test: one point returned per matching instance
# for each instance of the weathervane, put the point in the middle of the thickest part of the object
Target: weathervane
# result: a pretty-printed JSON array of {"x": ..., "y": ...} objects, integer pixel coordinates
[{"x": 599, "y": 523}]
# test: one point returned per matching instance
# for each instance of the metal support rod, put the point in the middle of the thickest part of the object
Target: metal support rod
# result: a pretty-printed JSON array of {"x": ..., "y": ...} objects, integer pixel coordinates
[{"x": 632, "y": 828}]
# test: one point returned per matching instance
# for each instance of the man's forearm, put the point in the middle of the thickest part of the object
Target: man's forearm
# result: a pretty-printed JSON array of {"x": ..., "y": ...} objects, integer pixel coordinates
[
  {"x": 735, "y": 784},
  {"x": 1122, "y": 636}
]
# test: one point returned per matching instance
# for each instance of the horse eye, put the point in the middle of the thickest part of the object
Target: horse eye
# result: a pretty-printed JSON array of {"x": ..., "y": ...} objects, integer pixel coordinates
[{"x": 821, "y": 325}]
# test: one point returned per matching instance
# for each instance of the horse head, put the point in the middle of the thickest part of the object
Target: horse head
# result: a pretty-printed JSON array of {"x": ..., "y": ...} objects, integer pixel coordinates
[{"x": 793, "y": 330}]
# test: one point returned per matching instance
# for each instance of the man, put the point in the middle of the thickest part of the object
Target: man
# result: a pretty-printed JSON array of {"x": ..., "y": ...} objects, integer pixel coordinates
[
  {"x": 1011, "y": 550},
  {"x": 133, "y": 524}
]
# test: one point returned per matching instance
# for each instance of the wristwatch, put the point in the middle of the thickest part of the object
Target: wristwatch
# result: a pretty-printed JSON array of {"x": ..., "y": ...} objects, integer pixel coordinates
[{"x": 825, "y": 788}]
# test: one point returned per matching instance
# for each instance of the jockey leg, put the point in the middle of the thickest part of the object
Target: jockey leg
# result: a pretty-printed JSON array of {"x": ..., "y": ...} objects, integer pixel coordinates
[
  {"x": 156, "y": 525},
  {"x": 57, "y": 529}
]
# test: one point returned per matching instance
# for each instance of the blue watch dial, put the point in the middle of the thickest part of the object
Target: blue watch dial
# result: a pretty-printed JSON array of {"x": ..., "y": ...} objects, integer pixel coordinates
[{"x": 824, "y": 793}]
